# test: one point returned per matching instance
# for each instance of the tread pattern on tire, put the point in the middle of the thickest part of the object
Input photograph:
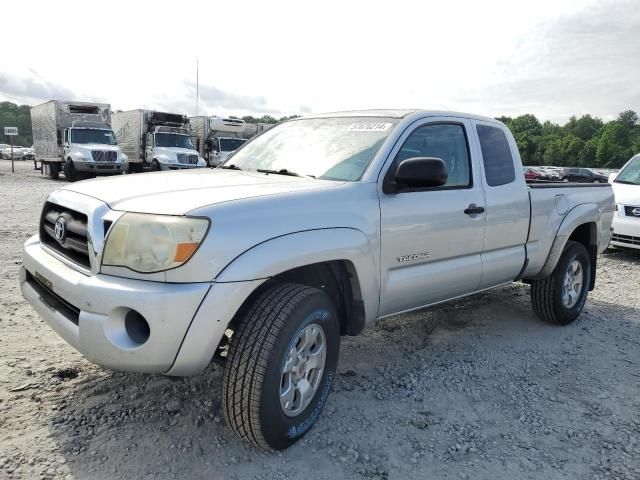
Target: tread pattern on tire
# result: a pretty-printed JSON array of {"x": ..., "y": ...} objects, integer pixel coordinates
[
  {"x": 253, "y": 341},
  {"x": 543, "y": 291},
  {"x": 542, "y": 299}
]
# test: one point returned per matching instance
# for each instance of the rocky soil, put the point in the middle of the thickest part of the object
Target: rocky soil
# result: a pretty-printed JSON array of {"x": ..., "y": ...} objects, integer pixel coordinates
[{"x": 479, "y": 388}]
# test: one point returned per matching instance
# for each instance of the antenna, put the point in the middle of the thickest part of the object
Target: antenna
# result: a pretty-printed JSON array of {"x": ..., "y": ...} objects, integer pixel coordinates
[{"x": 197, "y": 83}]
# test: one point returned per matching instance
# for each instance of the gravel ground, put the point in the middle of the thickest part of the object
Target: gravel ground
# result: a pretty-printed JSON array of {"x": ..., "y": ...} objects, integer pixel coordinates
[{"x": 478, "y": 388}]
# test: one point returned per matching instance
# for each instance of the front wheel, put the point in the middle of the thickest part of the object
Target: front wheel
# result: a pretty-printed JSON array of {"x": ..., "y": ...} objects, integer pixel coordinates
[
  {"x": 560, "y": 297},
  {"x": 281, "y": 364},
  {"x": 155, "y": 166},
  {"x": 70, "y": 172}
]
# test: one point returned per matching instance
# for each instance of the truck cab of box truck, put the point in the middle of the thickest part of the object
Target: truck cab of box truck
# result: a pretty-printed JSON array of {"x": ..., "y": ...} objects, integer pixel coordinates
[
  {"x": 159, "y": 140},
  {"x": 75, "y": 138},
  {"x": 90, "y": 148},
  {"x": 225, "y": 136},
  {"x": 170, "y": 148}
]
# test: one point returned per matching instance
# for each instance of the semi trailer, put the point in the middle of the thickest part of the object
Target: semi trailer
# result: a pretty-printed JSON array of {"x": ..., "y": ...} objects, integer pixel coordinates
[
  {"x": 75, "y": 138},
  {"x": 156, "y": 140}
]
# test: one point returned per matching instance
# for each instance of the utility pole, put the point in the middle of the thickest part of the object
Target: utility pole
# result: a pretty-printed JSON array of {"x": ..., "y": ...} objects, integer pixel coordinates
[{"x": 197, "y": 83}]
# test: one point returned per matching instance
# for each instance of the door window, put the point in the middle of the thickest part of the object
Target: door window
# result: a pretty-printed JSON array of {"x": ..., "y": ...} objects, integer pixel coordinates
[
  {"x": 445, "y": 141},
  {"x": 496, "y": 156}
]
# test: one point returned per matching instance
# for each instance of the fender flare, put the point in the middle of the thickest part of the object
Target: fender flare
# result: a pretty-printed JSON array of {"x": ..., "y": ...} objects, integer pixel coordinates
[
  {"x": 578, "y": 215},
  {"x": 298, "y": 249}
]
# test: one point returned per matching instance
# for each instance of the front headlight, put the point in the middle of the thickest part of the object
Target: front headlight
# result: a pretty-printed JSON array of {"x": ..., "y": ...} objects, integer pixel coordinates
[
  {"x": 153, "y": 243},
  {"x": 83, "y": 157}
]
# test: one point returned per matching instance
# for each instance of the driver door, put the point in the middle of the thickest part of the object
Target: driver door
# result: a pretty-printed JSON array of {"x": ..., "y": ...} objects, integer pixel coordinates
[{"x": 431, "y": 243}]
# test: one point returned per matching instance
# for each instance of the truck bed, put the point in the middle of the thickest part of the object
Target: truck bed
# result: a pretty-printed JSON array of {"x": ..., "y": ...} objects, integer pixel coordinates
[{"x": 551, "y": 203}]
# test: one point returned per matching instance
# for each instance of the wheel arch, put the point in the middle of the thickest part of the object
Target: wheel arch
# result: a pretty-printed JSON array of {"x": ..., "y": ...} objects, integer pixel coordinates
[
  {"x": 339, "y": 261},
  {"x": 581, "y": 224}
]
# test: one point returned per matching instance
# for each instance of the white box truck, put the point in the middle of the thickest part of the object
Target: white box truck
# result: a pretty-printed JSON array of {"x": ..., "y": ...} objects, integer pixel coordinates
[
  {"x": 75, "y": 138},
  {"x": 216, "y": 138},
  {"x": 158, "y": 140}
]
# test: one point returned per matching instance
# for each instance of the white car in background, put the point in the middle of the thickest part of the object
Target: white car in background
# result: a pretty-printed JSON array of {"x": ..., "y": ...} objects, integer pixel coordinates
[
  {"x": 17, "y": 152},
  {"x": 626, "y": 221}
]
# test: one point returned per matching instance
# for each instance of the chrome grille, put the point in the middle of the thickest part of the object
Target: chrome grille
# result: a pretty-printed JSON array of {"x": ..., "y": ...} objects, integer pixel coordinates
[
  {"x": 628, "y": 239},
  {"x": 102, "y": 156},
  {"x": 628, "y": 210},
  {"x": 72, "y": 243},
  {"x": 187, "y": 159}
]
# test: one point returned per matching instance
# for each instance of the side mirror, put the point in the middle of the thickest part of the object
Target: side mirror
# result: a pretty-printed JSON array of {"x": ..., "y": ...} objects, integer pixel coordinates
[{"x": 420, "y": 172}]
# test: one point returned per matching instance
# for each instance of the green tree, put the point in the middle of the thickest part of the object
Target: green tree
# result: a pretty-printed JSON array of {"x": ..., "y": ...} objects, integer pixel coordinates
[
  {"x": 614, "y": 146},
  {"x": 586, "y": 127}
]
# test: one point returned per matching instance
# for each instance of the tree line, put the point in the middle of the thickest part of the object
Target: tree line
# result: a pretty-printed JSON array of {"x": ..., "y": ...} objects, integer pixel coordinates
[
  {"x": 581, "y": 142},
  {"x": 12, "y": 115}
]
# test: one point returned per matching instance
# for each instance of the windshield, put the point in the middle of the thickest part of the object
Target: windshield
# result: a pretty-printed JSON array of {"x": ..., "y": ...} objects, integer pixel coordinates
[
  {"x": 231, "y": 144},
  {"x": 328, "y": 148},
  {"x": 90, "y": 135},
  {"x": 173, "y": 140},
  {"x": 630, "y": 173}
]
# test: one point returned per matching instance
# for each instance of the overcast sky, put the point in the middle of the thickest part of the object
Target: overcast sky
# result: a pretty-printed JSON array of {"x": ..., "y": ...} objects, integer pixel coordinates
[{"x": 554, "y": 58}]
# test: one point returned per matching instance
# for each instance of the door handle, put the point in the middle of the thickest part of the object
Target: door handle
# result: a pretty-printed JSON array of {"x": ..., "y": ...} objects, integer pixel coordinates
[{"x": 473, "y": 209}]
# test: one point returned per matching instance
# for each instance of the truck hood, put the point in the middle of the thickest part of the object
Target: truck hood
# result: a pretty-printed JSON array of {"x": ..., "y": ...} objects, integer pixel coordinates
[
  {"x": 626, "y": 194},
  {"x": 179, "y": 192}
]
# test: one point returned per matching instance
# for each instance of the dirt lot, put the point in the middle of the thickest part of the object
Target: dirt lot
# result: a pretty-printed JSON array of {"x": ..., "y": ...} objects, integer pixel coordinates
[{"x": 477, "y": 389}]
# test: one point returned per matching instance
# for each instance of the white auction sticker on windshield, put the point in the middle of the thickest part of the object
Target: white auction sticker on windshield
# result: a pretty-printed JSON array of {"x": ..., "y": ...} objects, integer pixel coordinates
[{"x": 368, "y": 127}]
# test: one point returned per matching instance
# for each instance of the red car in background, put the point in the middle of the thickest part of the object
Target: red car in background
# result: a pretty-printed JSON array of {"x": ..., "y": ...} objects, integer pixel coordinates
[{"x": 532, "y": 174}]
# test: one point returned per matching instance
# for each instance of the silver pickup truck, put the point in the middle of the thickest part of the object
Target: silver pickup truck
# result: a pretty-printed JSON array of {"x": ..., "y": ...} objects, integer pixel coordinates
[{"x": 312, "y": 230}]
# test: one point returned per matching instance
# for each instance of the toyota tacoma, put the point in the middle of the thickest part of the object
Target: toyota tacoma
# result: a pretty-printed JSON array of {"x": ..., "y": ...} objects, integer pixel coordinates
[{"x": 311, "y": 231}]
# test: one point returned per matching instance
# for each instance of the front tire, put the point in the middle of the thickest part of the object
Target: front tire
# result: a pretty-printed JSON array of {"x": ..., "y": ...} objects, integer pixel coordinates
[
  {"x": 560, "y": 297},
  {"x": 281, "y": 365},
  {"x": 155, "y": 166},
  {"x": 70, "y": 172}
]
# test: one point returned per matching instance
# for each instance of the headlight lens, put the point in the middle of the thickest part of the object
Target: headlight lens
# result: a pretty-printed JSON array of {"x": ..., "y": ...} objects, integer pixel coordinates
[{"x": 153, "y": 243}]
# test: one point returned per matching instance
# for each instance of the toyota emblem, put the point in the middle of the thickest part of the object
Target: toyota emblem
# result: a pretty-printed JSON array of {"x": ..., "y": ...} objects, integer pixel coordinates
[
  {"x": 61, "y": 228},
  {"x": 636, "y": 211}
]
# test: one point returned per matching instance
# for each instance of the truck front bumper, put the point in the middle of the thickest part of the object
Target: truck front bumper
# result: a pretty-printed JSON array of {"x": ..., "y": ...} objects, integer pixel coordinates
[
  {"x": 178, "y": 166},
  {"x": 626, "y": 232},
  {"x": 184, "y": 322},
  {"x": 99, "y": 168}
]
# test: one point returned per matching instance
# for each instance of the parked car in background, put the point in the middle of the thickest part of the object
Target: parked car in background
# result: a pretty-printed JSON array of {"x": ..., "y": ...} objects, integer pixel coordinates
[
  {"x": 17, "y": 152},
  {"x": 626, "y": 221},
  {"x": 583, "y": 175},
  {"x": 531, "y": 173},
  {"x": 28, "y": 153}
]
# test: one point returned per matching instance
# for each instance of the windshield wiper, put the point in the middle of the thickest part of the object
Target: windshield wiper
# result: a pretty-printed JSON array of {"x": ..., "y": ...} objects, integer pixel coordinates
[
  {"x": 230, "y": 167},
  {"x": 283, "y": 171}
]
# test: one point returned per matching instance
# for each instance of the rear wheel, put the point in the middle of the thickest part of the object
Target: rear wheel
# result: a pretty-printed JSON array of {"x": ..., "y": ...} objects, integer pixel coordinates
[
  {"x": 560, "y": 297},
  {"x": 281, "y": 365}
]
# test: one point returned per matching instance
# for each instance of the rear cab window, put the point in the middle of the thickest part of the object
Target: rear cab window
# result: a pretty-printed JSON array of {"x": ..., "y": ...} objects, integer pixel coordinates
[{"x": 496, "y": 155}]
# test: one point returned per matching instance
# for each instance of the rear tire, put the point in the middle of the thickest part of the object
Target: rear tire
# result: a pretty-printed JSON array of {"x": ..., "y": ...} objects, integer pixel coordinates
[
  {"x": 553, "y": 300},
  {"x": 268, "y": 360},
  {"x": 70, "y": 172}
]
